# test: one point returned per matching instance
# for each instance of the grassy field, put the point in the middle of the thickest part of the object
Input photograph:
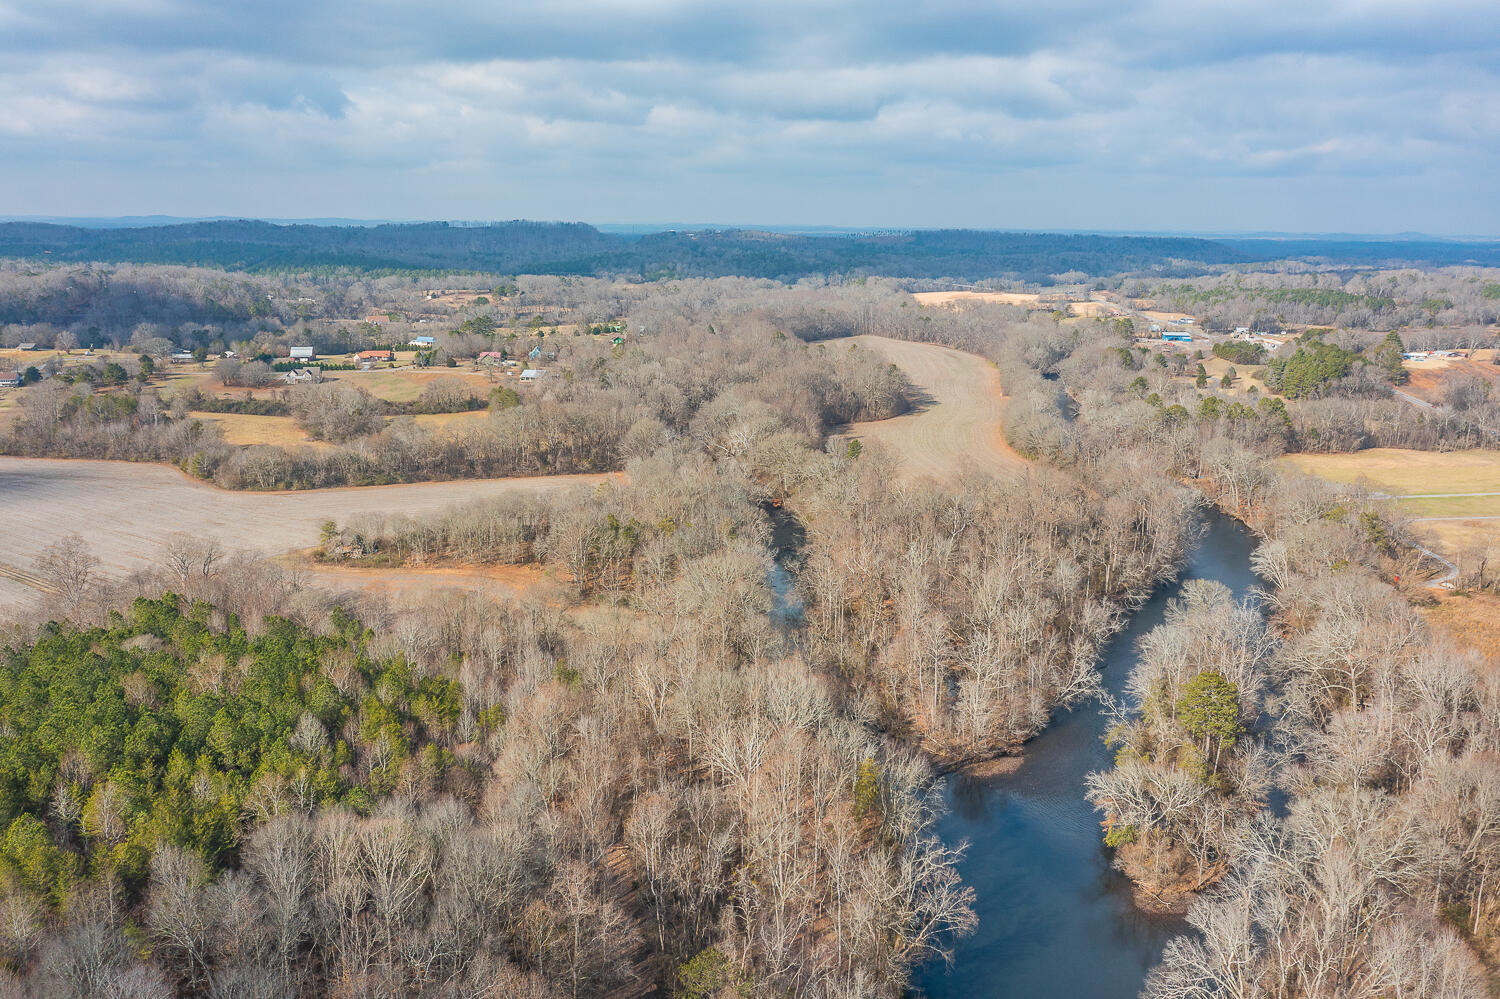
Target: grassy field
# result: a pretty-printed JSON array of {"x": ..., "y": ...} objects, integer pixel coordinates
[
  {"x": 1402, "y": 472},
  {"x": 957, "y": 426},
  {"x": 281, "y": 431},
  {"x": 127, "y": 510},
  {"x": 1420, "y": 474},
  {"x": 406, "y": 384}
]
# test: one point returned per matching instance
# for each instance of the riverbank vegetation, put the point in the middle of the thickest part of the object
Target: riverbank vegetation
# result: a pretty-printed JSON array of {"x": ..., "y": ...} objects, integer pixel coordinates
[{"x": 657, "y": 781}]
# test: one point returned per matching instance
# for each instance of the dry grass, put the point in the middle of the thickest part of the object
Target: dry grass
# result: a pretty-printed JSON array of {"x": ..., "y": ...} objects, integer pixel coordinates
[
  {"x": 1245, "y": 375},
  {"x": 953, "y": 298},
  {"x": 1471, "y": 621},
  {"x": 434, "y": 421},
  {"x": 498, "y": 581},
  {"x": 1093, "y": 310},
  {"x": 242, "y": 430},
  {"x": 406, "y": 384},
  {"x": 1404, "y": 472},
  {"x": 1463, "y": 535},
  {"x": 126, "y": 510},
  {"x": 1401, "y": 472},
  {"x": 958, "y": 425}
]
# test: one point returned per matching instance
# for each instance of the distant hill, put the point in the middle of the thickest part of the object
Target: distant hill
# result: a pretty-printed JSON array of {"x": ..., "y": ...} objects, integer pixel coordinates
[{"x": 576, "y": 248}]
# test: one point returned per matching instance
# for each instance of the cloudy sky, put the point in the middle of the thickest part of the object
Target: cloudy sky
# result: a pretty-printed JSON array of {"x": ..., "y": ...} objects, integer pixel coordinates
[{"x": 1290, "y": 115}]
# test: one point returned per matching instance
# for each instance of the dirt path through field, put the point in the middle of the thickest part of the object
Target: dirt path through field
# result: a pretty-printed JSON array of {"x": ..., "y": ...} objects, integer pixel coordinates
[
  {"x": 126, "y": 510},
  {"x": 957, "y": 424}
]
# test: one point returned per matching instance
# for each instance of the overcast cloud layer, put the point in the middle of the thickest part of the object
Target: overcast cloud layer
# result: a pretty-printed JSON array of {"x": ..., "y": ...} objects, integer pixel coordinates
[{"x": 1378, "y": 116}]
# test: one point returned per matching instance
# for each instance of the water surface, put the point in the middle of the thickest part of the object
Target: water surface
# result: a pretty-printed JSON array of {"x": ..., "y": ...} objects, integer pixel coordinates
[{"x": 1054, "y": 919}]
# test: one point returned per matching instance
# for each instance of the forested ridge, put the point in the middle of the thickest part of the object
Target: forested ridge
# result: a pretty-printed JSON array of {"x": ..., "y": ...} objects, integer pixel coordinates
[{"x": 576, "y": 248}]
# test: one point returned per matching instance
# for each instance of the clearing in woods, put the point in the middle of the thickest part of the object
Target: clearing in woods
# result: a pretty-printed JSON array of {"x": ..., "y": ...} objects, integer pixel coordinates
[
  {"x": 125, "y": 511},
  {"x": 1444, "y": 491},
  {"x": 957, "y": 422}
]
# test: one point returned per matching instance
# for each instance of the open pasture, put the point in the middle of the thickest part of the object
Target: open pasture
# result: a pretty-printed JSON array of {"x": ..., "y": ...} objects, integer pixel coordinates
[
  {"x": 1445, "y": 492},
  {"x": 406, "y": 384},
  {"x": 956, "y": 425}
]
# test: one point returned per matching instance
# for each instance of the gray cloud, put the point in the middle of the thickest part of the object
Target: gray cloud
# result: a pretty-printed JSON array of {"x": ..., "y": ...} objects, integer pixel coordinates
[{"x": 1154, "y": 114}]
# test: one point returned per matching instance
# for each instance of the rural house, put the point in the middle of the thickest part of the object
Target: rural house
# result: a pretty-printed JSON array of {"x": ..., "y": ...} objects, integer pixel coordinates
[
  {"x": 10, "y": 379},
  {"x": 301, "y": 375},
  {"x": 303, "y": 354},
  {"x": 376, "y": 355},
  {"x": 422, "y": 341},
  {"x": 532, "y": 374}
]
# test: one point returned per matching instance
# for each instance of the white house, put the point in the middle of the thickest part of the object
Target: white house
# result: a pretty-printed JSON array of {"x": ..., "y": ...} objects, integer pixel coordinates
[{"x": 422, "y": 341}]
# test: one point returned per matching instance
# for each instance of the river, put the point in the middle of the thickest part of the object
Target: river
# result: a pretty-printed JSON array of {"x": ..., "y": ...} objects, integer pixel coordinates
[{"x": 1054, "y": 919}]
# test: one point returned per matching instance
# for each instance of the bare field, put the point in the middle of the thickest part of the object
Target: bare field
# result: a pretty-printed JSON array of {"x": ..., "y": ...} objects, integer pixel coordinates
[
  {"x": 1429, "y": 378},
  {"x": 949, "y": 298},
  {"x": 435, "y": 421},
  {"x": 959, "y": 425},
  {"x": 126, "y": 510}
]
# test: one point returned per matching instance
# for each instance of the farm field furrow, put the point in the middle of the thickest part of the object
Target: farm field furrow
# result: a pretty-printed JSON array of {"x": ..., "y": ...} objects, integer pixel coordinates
[{"x": 125, "y": 511}]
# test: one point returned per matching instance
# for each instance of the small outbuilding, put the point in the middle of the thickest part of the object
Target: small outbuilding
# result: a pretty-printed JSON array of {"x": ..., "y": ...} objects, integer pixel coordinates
[
  {"x": 532, "y": 374},
  {"x": 303, "y": 353}
]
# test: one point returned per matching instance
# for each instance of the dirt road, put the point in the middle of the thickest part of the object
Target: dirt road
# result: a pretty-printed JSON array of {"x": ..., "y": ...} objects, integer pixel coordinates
[
  {"x": 126, "y": 510},
  {"x": 957, "y": 422}
]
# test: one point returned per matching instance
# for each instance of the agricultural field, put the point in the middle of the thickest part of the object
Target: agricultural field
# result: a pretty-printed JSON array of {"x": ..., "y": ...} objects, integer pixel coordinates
[
  {"x": 958, "y": 421},
  {"x": 245, "y": 430},
  {"x": 1453, "y": 495},
  {"x": 406, "y": 384},
  {"x": 125, "y": 511},
  {"x": 1026, "y": 300}
]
